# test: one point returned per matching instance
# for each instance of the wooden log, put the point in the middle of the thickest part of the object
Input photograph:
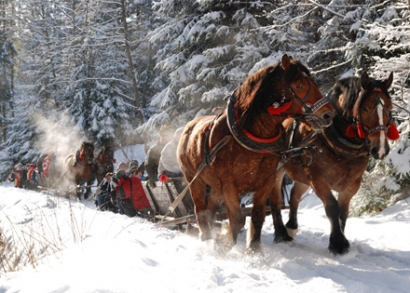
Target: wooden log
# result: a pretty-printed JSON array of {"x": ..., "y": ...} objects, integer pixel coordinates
[
  {"x": 219, "y": 216},
  {"x": 168, "y": 221}
]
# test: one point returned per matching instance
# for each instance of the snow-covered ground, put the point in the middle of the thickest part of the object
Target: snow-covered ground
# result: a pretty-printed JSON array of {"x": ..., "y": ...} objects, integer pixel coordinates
[{"x": 80, "y": 249}]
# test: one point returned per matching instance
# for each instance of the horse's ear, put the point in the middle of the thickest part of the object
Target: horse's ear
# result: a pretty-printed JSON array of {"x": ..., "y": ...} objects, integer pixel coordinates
[
  {"x": 388, "y": 82},
  {"x": 285, "y": 62},
  {"x": 364, "y": 80}
]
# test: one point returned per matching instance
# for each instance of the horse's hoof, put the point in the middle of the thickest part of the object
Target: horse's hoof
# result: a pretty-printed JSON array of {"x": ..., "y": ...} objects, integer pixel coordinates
[
  {"x": 223, "y": 244},
  {"x": 254, "y": 247},
  {"x": 282, "y": 238},
  {"x": 292, "y": 232},
  {"x": 339, "y": 248}
]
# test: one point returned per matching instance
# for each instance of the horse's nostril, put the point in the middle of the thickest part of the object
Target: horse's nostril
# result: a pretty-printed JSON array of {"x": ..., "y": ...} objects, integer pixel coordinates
[
  {"x": 327, "y": 116},
  {"x": 375, "y": 153}
]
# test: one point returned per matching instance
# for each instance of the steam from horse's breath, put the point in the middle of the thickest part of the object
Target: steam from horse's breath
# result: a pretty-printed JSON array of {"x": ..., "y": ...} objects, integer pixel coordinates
[{"x": 63, "y": 137}]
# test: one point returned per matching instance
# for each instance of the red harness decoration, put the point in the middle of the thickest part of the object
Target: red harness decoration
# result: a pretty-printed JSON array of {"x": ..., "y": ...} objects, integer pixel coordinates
[
  {"x": 392, "y": 132},
  {"x": 276, "y": 109},
  {"x": 262, "y": 140}
]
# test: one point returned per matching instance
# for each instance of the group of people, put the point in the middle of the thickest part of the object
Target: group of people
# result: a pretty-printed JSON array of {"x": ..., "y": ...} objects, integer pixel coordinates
[
  {"x": 33, "y": 175},
  {"x": 122, "y": 191}
]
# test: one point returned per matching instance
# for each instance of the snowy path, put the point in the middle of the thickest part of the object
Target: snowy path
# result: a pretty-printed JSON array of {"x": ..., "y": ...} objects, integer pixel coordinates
[{"x": 119, "y": 254}]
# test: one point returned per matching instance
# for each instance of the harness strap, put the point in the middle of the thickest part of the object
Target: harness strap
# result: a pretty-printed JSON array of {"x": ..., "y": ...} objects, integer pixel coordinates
[
  {"x": 207, "y": 131},
  {"x": 272, "y": 145}
]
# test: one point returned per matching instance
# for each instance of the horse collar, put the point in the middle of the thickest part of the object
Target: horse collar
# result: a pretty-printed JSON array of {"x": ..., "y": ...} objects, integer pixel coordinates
[
  {"x": 341, "y": 146},
  {"x": 248, "y": 140}
]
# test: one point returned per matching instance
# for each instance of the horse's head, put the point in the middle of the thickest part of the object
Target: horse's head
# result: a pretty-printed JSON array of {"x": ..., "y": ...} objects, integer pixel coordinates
[
  {"x": 370, "y": 114},
  {"x": 306, "y": 99},
  {"x": 107, "y": 153},
  {"x": 87, "y": 152},
  {"x": 286, "y": 89}
]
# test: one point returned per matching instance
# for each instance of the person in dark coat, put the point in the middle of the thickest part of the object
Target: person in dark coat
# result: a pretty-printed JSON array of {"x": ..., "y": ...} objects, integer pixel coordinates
[
  {"x": 113, "y": 184},
  {"x": 103, "y": 200}
]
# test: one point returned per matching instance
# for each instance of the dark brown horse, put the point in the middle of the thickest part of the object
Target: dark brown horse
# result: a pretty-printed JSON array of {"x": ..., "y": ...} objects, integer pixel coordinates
[
  {"x": 252, "y": 127},
  {"x": 79, "y": 169},
  {"x": 361, "y": 127},
  {"x": 103, "y": 163}
]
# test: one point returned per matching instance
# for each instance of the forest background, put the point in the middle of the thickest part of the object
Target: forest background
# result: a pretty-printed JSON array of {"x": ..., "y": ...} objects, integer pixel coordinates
[{"x": 112, "y": 72}]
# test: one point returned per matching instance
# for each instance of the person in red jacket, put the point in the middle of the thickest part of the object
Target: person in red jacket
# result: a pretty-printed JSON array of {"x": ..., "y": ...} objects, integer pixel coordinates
[
  {"x": 18, "y": 176},
  {"x": 132, "y": 196},
  {"x": 32, "y": 180}
]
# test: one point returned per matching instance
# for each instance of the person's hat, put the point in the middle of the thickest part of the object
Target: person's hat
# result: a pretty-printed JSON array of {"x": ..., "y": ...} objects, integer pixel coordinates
[
  {"x": 121, "y": 164},
  {"x": 121, "y": 174},
  {"x": 133, "y": 165}
]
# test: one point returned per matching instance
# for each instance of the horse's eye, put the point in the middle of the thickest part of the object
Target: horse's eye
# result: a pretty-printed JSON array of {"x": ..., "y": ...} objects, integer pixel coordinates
[
  {"x": 299, "y": 86},
  {"x": 365, "y": 108}
]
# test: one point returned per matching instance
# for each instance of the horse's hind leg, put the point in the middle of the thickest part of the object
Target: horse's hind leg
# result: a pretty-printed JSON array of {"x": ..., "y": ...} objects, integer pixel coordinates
[
  {"x": 275, "y": 196},
  {"x": 296, "y": 193},
  {"x": 87, "y": 190},
  {"x": 202, "y": 213}
]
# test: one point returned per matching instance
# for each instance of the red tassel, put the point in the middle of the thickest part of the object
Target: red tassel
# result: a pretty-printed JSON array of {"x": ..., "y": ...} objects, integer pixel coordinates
[
  {"x": 101, "y": 159},
  {"x": 392, "y": 132},
  {"x": 351, "y": 131},
  {"x": 360, "y": 130},
  {"x": 114, "y": 160},
  {"x": 81, "y": 155},
  {"x": 278, "y": 109}
]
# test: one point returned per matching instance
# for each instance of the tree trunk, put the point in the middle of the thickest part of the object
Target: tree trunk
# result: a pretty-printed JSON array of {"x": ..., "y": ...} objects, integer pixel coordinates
[{"x": 129, "y": 57}]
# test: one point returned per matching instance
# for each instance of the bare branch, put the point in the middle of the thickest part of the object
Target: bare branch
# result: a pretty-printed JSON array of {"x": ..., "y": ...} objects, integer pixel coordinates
[{"x": 327, "y": 9}]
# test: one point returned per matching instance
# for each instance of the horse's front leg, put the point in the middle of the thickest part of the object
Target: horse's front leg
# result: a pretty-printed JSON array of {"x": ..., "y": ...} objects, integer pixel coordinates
[
  {"x": 257, "y": 220},
  {"x": 338, "y": 244},
  {"x": 87, "y": 190},
  {"x": 275, "y": 197},
  {"x": 78, "y": 190},
  {"x": 235, "y": 216},
  {"x": 344, "y": 199}
]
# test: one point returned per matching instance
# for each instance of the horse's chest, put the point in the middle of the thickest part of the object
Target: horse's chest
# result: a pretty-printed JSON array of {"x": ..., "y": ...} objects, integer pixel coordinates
[{"x": 254, "y": 170}]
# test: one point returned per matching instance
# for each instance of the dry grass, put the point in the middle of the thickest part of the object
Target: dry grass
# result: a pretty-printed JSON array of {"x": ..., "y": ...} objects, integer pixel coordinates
[{"x": 39, "y": 235}]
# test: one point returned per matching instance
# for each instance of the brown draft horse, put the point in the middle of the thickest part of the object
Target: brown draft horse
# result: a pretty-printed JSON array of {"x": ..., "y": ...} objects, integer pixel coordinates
[
  {"x": 361, "y": 127},
  {"x": 252, "y": 124},
  {"x": 79, "y": 168},
  {"x": 103, "y": 163}
]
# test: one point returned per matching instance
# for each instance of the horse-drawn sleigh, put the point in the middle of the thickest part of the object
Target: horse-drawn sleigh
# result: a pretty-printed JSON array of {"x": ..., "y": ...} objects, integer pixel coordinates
[{"x": 247, "y": 148}]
